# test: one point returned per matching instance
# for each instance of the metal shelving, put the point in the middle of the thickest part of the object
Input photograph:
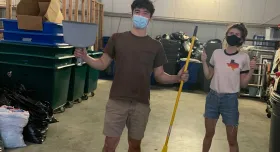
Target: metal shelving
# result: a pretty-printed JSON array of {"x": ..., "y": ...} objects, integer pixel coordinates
[
  {"x": 264, "y": 56},
  {"x": 259, "y": 85},
  {"x": 265, "y": 52}
]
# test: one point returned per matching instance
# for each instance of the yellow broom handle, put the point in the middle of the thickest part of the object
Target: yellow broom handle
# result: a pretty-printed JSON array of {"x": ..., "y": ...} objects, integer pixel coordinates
[{"x": 181, "y": 85}]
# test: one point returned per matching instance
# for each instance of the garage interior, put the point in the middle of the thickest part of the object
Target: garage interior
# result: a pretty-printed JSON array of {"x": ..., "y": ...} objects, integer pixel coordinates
[{"x": 80, "y": 121}]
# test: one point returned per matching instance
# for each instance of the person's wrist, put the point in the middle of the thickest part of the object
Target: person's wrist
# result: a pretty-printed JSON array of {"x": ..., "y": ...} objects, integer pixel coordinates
[
  {"x": 86, "y": 57},
  {"x": 177, "y": 79}
]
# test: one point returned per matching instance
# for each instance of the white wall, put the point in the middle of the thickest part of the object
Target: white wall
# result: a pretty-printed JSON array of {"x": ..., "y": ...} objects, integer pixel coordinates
[
  {"x": 248, "y": 11},
  {"x": 272, "y": 13},
  {"x": 256, "y": 12},
  {"x": 205, "y": 31}
]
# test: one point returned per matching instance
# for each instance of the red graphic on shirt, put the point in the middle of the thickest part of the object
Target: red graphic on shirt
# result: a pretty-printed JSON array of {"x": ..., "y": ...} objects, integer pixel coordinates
[{"x": 233, "y": 65}]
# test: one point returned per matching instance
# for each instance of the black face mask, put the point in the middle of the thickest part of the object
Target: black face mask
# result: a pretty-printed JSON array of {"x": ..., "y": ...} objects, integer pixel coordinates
[{"x": 233, "y": 40}]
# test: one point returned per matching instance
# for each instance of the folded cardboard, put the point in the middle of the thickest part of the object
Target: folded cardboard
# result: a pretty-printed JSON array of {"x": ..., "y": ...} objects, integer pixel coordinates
[{"x": 32, "y": 13}]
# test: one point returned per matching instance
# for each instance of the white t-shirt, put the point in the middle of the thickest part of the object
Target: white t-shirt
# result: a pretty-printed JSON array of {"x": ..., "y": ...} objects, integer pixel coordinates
[{"x": 227, "y": 70}]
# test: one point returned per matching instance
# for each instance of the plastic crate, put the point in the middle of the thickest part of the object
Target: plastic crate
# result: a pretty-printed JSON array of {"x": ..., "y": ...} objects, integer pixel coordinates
[
  {"x": 31, "y": 37},
  {"x": 48, "y": 27}
]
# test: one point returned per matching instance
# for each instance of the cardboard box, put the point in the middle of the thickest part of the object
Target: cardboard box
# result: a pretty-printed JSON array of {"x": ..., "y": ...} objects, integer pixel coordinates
[{"x": 32, "y": 13}]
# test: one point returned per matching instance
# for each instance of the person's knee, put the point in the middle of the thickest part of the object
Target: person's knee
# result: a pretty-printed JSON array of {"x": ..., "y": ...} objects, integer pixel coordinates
[
  {"x": 210, "y": 134},
  {"x": 232, "y": 136},
  {"x": 232, "y": 141},
  {"x": 111, "y": 144}
]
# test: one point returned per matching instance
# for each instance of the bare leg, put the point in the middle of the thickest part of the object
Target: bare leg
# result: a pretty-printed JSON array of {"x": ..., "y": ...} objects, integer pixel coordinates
[
  {"x": 210, "y": 126},
  {"x": 111, "y": 144},
  {"x": 232, "y": 138},
  {"x": 134, "y": 145}
]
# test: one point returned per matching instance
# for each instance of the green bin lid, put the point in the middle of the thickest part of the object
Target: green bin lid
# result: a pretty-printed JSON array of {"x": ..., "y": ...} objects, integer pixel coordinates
[
  {"x": 58, "y": 57},
  {"x": 39, "y": 66}
]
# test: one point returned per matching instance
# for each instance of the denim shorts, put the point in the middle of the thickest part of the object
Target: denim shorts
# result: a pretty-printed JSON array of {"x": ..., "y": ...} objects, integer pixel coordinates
[{"x": 225, "y": 104}]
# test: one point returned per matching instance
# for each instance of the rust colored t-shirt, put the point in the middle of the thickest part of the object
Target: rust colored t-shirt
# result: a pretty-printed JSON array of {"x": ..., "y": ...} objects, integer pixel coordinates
[{"x": 135, "y": 58}]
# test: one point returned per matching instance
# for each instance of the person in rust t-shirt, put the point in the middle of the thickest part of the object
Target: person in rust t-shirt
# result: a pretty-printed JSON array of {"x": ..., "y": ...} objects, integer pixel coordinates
[{"x": 136, "y": 56}]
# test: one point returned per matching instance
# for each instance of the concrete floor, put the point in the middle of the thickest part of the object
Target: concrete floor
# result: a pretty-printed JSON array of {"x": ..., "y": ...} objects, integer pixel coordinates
[{"x": 80, "y": 128}]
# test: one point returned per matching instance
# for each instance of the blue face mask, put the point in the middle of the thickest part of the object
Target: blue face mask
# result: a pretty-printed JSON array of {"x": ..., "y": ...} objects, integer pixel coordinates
[{"x": 140, "y": 22}]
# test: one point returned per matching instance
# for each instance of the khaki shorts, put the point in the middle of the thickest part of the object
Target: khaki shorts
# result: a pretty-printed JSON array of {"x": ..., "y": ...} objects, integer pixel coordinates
[{"x": 133, "y": 115}]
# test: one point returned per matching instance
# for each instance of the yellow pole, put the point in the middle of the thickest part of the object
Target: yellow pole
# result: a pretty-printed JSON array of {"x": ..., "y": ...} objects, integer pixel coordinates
[{"x": 165, "y": 147}]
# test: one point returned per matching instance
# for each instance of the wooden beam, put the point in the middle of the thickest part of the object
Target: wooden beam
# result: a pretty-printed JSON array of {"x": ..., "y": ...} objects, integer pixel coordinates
[
  {"x": 76, "y": 10},
  {"x": 101, "y": 25},
  {"x": 92, "y": 15},
  {"x": 96, "y": 13},
  {"x": 88, "y": 10},
  {"x": 83, "y": 11},
  {"x": 96, "y": 19},
  {"x": 70, "y": 10},
  {"x": 64, "y": 8},
  {"x": 9, "y": 9}
]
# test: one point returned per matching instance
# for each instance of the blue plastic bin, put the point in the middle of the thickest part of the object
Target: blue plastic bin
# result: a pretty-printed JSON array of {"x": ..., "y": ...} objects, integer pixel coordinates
[
  {"x": 37, "y": 43},
  {"x": 48, "y": 27},
  {"x": 109, "y": 72},
  {"x": 33, "y": 37},
  {"x": 105, "y": 40},
  {"x": 193, "y": 70},
  {"x": 153, "y": 80}
]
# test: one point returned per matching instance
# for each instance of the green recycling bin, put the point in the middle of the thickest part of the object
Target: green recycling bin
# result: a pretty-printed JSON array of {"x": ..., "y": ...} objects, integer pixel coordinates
[
  {"x": 77, "y": 84},
  {"x": 36, "y": 50},
  {"x": 49, "y": 83},
  {"x": 44, "y": 69},
  {"x": 37, "y": 60},
  {"x": 92, "y": 76}
]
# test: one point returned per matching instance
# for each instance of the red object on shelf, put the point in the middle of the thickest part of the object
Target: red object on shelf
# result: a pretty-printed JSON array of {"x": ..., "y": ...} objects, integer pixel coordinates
[{"x": 277, "y": 74}]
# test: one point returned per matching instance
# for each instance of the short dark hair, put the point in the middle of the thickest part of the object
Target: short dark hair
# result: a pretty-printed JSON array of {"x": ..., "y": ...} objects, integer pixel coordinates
[
  {"x": 147, "y": 4},
  {"x": 242, "y": 28}
]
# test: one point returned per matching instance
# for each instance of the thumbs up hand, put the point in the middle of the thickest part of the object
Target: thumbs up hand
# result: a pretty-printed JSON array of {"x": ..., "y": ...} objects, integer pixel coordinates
[
  {"x": 203, "y": 56},
  {"x": 253, "y": 63}
]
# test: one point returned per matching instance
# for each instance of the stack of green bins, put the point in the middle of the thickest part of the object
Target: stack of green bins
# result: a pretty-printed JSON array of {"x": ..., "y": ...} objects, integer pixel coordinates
[
  {"x": 46, "y": 70},
  {"x": 92, "y": 76}
]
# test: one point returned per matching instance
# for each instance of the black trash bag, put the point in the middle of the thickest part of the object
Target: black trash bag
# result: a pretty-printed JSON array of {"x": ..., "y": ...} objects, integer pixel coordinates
[
  {"x": 158, "y": 37},
  {"x": 179, "y": 36},
  {"x": 197, "y": 49},
  {"x": 3, "y": 99},
  {"x": 41, "y": 113},
  {"x": 166, "y": 36}
]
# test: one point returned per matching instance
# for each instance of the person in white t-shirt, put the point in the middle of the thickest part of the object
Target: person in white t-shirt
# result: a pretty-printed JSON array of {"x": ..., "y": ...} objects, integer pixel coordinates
[{"x": 229, "y": 69}]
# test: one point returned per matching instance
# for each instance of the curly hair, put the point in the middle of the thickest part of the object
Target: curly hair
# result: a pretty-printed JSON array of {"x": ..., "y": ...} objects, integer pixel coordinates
[
  {"x": 242, "y": 28},
  {"x": 147, "y": 4}
]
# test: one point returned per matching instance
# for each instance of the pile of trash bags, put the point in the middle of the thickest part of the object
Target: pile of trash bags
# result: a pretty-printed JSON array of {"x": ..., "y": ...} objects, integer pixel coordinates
[
  {"x": 185, "y": 41},
  {"x": 40, "y": 114}
]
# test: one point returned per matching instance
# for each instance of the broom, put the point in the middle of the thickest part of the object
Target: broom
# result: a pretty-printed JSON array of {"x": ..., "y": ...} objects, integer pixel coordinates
[{"x": 165, "y": 147}]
